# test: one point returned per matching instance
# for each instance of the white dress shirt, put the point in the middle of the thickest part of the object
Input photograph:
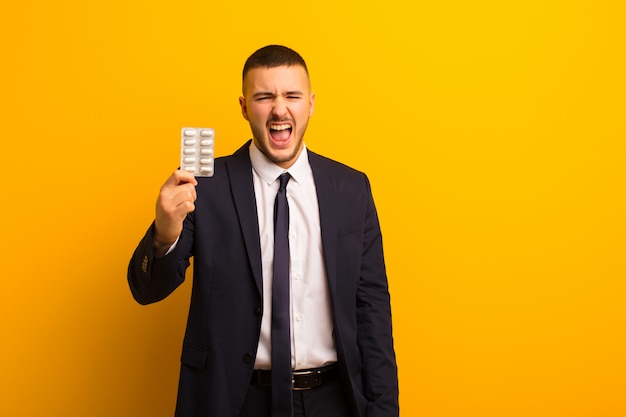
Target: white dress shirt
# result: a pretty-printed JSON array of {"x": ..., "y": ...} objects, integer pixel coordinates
[{"x": 312, "y": 343}]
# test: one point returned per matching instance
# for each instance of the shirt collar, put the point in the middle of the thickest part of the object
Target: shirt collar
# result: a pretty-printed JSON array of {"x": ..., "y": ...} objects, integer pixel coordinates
[{"x": 269, "y": 171}]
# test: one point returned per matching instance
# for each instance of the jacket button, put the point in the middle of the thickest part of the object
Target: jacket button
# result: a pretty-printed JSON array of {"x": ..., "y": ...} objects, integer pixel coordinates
[
  {"x": 247, "y": 358},
  {"x": 258, "y": 311}
]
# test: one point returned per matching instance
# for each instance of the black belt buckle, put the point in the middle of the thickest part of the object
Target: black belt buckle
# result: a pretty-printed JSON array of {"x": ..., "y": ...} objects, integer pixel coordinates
[{"x": 305, "y": 380}]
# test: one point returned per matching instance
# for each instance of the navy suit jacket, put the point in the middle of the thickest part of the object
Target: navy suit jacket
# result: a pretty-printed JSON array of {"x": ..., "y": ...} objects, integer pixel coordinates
[{"x": 224, "y": 320}]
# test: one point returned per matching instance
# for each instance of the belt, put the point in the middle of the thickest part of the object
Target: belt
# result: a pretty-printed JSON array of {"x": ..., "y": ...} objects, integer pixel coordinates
[{"x": 301, "y": 379}]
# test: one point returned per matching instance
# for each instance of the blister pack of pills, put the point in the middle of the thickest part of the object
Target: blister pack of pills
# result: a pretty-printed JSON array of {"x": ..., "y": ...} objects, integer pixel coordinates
[{"x": 196, "y": 150}]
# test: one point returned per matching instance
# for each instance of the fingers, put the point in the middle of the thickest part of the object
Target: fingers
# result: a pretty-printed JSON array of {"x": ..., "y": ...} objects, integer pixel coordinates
[
  {"x": 181, "y": 177},
  {"x": 179, "y": 197},
  {"x": 178, "y": 191},
  {"x": 176, "y": 199}
]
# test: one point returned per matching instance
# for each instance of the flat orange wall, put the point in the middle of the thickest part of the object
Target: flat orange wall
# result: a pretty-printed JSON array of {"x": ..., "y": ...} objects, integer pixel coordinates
[{"x": 493, "y": 133}]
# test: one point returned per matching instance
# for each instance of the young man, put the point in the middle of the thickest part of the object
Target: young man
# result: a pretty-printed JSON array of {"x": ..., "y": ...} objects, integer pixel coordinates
[{"x": 290, "y": 311}]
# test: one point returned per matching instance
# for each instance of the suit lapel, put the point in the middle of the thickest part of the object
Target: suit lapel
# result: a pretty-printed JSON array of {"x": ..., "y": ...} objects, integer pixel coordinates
[
  {"x": 240, "y": 175},
  {"x": 326, "y": 189}
]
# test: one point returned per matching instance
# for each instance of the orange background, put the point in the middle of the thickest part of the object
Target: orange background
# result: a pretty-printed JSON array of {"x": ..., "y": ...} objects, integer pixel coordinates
[{"x": 493, "y": 133}]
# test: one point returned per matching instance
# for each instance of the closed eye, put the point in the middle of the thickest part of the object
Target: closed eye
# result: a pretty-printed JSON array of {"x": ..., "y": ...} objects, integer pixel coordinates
[{"x": 291, "y": 96}]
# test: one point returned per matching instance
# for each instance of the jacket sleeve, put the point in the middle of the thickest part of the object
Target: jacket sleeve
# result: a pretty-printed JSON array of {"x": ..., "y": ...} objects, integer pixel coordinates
[
  {"x": 152, "y": 278},
  {"x": 374, "y": 327}
]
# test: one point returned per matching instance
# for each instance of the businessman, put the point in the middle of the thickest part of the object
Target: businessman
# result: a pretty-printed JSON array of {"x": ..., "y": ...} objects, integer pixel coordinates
[{"x": 290, "y": 310}]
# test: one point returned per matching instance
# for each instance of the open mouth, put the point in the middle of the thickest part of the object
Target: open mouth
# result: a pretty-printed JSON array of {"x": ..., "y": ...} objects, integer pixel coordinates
[{"x": 280, "y": 133}]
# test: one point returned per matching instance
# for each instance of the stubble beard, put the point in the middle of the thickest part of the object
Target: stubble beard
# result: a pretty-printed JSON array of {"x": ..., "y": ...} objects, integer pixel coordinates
[{"x": 261, "y": 145}]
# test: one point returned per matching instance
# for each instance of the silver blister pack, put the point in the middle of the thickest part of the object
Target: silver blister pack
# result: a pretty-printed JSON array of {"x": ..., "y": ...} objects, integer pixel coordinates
[{"x": 196, "y": 150}]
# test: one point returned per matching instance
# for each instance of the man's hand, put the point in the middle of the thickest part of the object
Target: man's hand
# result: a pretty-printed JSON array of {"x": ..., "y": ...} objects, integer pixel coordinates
[{"x": 176, "y": 200}]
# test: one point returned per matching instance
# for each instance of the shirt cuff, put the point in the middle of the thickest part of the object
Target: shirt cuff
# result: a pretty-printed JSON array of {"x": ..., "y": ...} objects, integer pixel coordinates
[{"x": 172, "y": 247}]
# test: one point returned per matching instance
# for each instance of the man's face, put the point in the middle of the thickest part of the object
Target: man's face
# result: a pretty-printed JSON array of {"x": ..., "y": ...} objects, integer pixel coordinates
[{"x": 278, "y": 103}]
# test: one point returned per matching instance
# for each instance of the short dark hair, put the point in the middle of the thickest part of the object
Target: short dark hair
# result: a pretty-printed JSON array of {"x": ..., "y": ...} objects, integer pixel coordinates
[{"x": 271, "y": 56}]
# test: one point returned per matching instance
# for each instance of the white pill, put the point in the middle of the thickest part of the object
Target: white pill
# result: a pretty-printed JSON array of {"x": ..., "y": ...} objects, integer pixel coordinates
[
  {"x": 189, "y": 151},
  {"x": 190, "y": 169},
  {"x": 189, "y": 160},
  {"x": 206, "y": 133},
  {"x": 189, "y": 132},
  {"x": 190, "y": 142},
  {"x": 206, "y": 151},
  {"x": 206, "y": 161},
  {"x": 206, "y": 170},
  {"x": 206, "y": 142}
]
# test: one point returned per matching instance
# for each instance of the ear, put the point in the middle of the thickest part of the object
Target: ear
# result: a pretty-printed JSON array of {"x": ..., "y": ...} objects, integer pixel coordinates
[
  {"x": 244, "y": 108},
  {"x": 311, "y": 104}
]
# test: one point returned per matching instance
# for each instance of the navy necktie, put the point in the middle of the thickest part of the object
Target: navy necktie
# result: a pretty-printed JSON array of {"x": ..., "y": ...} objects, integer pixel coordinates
[{"x": 282, "y": 395}]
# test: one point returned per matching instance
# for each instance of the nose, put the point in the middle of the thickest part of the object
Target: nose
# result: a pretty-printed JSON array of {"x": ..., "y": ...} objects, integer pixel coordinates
[{"x": 279, "y": 107}]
